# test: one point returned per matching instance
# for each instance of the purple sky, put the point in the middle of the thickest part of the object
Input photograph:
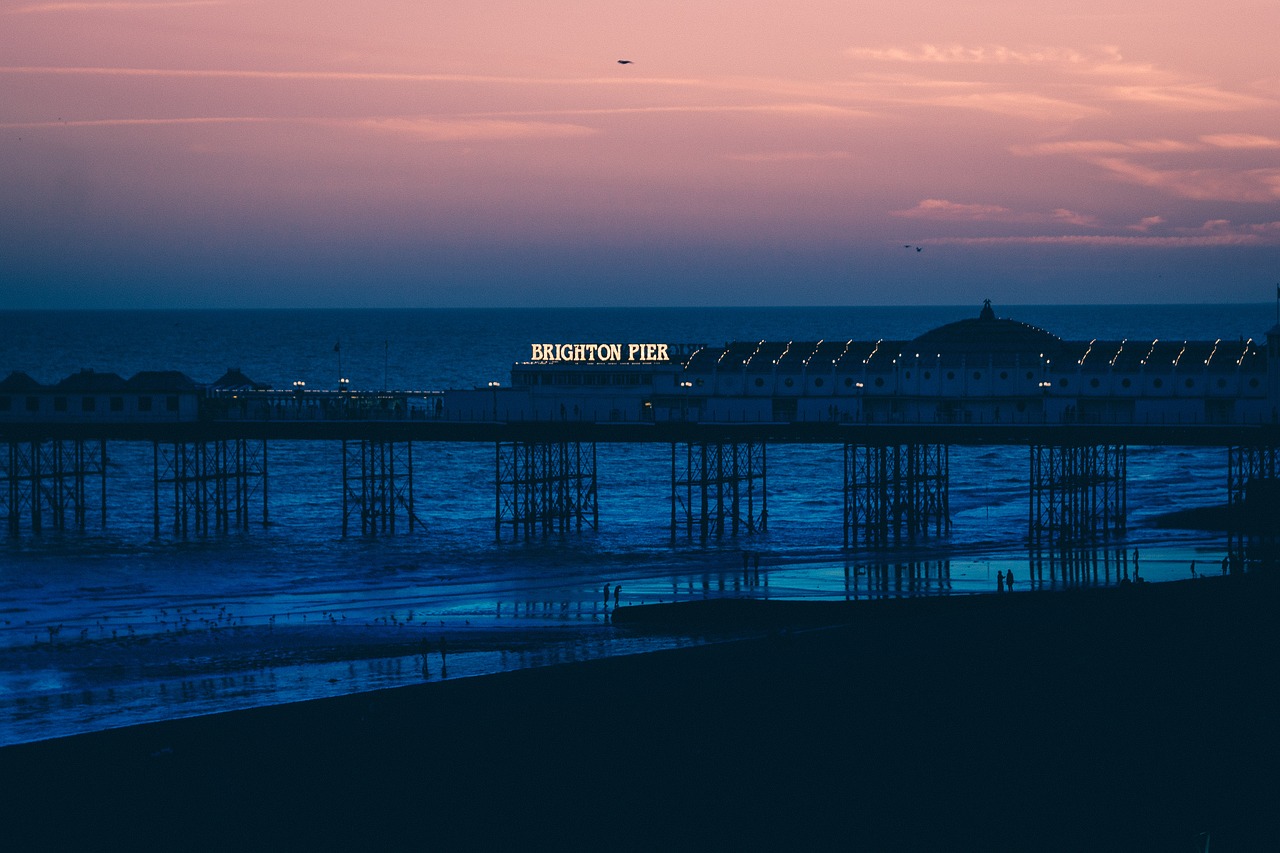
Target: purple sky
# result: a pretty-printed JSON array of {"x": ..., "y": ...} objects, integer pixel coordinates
[{"x": 260, "y": 153}]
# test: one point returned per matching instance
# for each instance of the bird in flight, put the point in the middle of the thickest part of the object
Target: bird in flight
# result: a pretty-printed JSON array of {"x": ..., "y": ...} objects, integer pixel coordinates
[{"x": 624, "y": 61}]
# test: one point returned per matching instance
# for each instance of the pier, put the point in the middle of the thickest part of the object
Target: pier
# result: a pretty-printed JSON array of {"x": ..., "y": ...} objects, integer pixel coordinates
[{"x": 889, "y": 410}]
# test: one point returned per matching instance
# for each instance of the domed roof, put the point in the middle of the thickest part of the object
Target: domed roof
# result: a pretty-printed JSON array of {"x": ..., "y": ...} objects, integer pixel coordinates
[{"x": 988, "y": 334}]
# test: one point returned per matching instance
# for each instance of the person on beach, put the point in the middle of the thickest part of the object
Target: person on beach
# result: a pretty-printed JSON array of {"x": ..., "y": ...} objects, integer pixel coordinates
[
  {"x": 1224, "y": 565},
  {"x": 606, "y": 595},
  {"x": 999, "y": 581},
  {"x": 617, "y": 593},
  {"x": 1193, "y": 568},
  {"x": 1008, "y": 581}
]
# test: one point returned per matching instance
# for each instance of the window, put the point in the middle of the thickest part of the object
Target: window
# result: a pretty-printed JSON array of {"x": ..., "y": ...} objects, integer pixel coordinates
[
  {"x": 848, "y": 382},
  {"x": 1094, "y": 383},
  {"x": 759, "y": 382},
  {"x": 1126, "y": 382},
  {"x": 817, "y": 383},
  {"x": 879, "y": 381},
  {"x": 1190, "y": 383},
  {"x": 951, "y": 374},
  {"x": 927, "y": 374},
  {"x": 788, "y": 382},
  {"x": 1159, "y": 383}
]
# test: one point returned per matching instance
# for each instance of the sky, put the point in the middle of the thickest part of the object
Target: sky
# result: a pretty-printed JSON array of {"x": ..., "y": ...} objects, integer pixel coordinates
[{"x": 416, "y": 153}]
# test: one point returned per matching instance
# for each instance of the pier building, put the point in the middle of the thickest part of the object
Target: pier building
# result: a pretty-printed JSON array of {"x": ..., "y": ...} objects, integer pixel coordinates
[
  {"x": 977, "y": 370},
  {"x": 895, "y": 407}
]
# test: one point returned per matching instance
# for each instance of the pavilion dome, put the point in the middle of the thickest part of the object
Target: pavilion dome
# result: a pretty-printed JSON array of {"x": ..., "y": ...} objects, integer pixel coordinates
[{"x": 987, "y": 334}]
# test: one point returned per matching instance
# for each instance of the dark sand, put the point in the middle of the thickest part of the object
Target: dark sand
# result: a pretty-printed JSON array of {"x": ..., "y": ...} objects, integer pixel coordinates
[{"x": 1133, "y": 718}]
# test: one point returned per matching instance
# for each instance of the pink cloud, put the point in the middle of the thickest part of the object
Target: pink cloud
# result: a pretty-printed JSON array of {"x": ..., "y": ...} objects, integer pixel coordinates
[
  {"x": 989, "y": 54},
  {"x": 1146, "y": 223},
  {"x": 1241, "y": 140},
  {"x": 937, "y": 208},
  {"x": 1249, "y": 185},
  {"x": 111, "y": 6},
  {"x": 457, "y": 130}
]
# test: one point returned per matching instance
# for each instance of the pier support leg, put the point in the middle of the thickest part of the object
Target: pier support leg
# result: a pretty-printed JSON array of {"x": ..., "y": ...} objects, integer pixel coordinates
[
  {"x": 377, "y": 485},
  {"x": 1077, "y": 493},
  {"x": 213, "y": 482},
  {"x": 50, "y": 480},
  {"x": 1253, "y": 502},
  {"x": 544, "y": 487},
  {"x": 892, "y": 492},
  {"x": 719, "y": 488}
]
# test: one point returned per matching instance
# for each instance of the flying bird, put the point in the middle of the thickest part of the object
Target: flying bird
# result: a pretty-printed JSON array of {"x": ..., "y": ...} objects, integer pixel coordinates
[{"x": 624, "y": 61}]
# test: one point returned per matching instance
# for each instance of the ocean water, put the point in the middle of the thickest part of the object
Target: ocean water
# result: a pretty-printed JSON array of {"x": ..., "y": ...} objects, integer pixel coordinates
[{"x": 77, "y": 606}]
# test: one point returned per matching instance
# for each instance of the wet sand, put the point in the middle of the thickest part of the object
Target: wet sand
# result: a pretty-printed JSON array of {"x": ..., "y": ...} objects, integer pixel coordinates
[{"x": 1131, "y": 718}]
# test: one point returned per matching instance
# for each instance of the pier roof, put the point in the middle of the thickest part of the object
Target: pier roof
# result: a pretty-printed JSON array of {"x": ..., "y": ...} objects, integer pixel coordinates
[
  {"x": 17, "y": 381},
  {"x": 87, "y": 381},
  {"x": 161, "y": 381}
]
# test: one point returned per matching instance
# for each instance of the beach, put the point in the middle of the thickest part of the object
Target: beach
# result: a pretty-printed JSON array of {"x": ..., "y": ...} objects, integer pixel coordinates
[{"x": 1126, "y": 718}]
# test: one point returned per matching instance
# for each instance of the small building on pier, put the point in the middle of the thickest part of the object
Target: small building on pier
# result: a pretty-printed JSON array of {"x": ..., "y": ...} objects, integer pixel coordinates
[{"x": 89, "y": 396}]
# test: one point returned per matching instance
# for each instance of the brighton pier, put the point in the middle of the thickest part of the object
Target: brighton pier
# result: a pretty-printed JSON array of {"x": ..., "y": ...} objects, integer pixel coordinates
[{"x": 894, "y": 408}]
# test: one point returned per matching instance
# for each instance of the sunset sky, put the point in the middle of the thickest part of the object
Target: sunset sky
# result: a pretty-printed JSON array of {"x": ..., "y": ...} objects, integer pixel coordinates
[{"x": 264, "y": 153}]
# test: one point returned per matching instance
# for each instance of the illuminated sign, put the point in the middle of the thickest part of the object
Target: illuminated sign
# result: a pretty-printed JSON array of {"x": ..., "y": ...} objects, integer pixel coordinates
[{"x": 600, "y": 352}]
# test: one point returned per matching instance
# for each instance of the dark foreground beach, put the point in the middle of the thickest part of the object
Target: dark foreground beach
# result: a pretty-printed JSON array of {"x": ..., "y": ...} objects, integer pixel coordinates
[{"x": 1133, "y": 718}]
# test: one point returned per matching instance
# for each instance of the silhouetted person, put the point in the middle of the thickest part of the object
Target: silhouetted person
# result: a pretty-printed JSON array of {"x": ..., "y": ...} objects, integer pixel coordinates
[
  {"x": 1008, "y": 581},
  {"x": 617, "y": 593},
  {"x": 999, "y": 581},
  {"x": 1224, "y": 565},
  {"x": 606, "y": 595},
  {"x": 1193, "y": 568}
]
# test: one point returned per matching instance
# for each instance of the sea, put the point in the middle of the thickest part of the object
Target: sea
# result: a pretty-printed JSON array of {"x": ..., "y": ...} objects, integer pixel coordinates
[{"x": 112, "y": 626}]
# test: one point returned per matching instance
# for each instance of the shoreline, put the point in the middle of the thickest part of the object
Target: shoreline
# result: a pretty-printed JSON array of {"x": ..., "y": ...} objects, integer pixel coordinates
[
  {"x": 204, "y": 655},
  {"x": 1122, "y": 718}
]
